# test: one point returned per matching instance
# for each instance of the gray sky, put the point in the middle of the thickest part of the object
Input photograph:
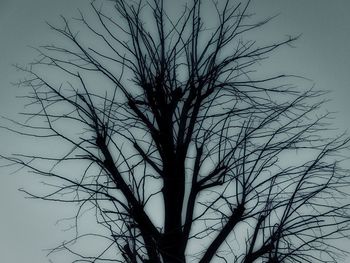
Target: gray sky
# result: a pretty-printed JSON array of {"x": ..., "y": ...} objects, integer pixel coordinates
[{"x": 322, "y": 54}]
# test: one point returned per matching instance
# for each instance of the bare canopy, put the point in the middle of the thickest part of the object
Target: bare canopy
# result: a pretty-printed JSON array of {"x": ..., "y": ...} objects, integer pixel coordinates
[{"x": 186, "y": 153}]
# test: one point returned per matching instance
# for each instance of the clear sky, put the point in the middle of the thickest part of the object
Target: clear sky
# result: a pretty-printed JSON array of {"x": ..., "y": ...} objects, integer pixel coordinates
[{"x": 322, "y": 54}]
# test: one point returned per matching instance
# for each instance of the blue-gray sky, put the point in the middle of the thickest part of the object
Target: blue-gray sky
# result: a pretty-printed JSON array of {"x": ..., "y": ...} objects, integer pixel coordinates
[{"x": 322, "y": 54}]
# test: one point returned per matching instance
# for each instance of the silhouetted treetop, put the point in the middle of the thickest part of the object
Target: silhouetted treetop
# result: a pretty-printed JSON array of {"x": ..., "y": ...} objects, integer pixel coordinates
[{"x": 166, "y": 128}]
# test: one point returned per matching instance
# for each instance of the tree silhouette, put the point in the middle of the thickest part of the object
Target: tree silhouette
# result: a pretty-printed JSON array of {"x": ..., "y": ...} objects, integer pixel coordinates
[{"x": 186, "y": 153}]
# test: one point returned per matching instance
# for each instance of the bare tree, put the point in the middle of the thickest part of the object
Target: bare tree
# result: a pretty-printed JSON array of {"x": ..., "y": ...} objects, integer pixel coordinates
[{"x": 186, "y": 153}]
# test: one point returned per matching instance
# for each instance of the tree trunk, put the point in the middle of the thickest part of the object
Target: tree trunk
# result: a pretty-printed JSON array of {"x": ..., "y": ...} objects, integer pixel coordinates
[{"x": 172, "y": 245}]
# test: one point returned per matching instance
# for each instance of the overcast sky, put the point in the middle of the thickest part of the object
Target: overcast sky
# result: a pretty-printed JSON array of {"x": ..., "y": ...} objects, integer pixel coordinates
[{"x": 322, "y": 54}]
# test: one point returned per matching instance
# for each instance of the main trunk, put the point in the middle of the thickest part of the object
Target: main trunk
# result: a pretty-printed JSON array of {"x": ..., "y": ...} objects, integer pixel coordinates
[{"x": 172, "y": 245}]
